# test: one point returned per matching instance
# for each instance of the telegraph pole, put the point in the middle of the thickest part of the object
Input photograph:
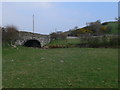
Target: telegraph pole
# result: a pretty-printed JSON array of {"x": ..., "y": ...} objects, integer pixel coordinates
[{"x": 33, "y": 23}]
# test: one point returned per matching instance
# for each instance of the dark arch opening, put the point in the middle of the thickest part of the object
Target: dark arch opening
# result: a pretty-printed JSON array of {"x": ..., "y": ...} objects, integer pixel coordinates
[{"x": 32, "y": 43}]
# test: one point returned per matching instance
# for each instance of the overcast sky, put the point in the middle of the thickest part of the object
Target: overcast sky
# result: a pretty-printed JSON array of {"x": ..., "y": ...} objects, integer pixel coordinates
[{"x": 60, "y": 15}]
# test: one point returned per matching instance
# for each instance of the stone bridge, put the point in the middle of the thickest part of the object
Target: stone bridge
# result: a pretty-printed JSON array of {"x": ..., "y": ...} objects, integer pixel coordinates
[{"x": 32, "y": 39}]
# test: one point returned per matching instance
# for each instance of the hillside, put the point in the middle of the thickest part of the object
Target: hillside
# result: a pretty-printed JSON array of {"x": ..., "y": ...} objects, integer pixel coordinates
[{"x": 113, "y": 25}]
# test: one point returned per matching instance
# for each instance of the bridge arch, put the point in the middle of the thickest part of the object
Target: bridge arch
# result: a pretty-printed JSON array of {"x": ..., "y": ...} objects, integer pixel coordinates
[{"x": 32, "y": 43}]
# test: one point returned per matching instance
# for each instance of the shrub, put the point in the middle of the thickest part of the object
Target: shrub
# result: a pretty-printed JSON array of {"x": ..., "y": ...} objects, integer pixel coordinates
[
  {"x": 58, "y": 35},
  {"x": 101, "y": 41},
  {"x": 10, "y": 34},
  {"x": 114, "y": 41},
  {"x": 105, "y": 23}
]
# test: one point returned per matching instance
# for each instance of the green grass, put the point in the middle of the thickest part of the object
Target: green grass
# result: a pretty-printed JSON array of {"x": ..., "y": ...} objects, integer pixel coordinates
[
  {"x": 114, "y": 26},
  {"x": 60, "y": 68},
  {"x": 65, "y": 42}
]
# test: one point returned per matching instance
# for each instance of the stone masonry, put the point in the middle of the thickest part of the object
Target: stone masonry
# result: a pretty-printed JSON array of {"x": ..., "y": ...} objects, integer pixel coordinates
[{"x": 25, "y": 36}]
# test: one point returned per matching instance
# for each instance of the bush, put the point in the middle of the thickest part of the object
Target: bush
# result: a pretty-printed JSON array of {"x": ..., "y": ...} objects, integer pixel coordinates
[
  {"x": 105, "y": 23},
  {"x": 101, "y": 41},
  {"x": 114, "y": 41},
  {"x": 58, "y": 35},
  {"x": 10, "y": 34}
]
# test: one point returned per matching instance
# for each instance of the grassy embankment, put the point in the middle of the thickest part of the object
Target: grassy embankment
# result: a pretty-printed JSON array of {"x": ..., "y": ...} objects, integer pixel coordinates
[{"x": 67, "y": 42}]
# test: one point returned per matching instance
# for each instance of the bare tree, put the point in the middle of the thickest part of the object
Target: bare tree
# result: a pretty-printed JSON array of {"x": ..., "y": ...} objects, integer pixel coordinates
[
  {"x": 10, "y": 34},
  {"x": 58, "y": 35}
]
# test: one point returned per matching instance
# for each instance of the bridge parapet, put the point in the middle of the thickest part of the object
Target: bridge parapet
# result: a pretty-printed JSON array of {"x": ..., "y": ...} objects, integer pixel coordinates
[{"x": 25, "y": 36}]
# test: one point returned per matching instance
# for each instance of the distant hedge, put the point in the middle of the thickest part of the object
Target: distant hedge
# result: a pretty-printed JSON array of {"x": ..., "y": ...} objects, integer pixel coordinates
[{"x": 100, "y": 41}]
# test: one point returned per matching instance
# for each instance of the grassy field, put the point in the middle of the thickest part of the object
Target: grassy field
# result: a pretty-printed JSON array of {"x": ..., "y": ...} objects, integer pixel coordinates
[
  {"x": 60, "y": 68},
  {"x": 114, "y": 26},
  {"x": 65, "y": 42}
]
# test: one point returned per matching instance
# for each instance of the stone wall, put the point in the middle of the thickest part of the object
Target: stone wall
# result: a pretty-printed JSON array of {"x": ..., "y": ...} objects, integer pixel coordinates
[{"x": 25, "y": 36}]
